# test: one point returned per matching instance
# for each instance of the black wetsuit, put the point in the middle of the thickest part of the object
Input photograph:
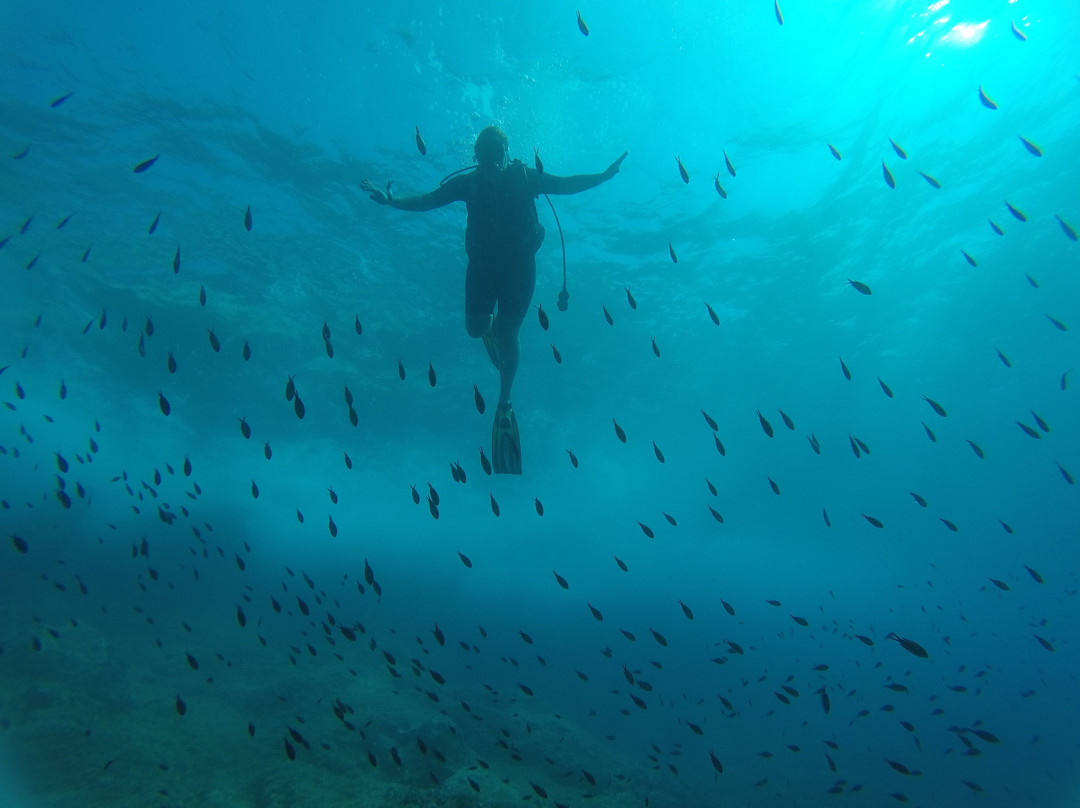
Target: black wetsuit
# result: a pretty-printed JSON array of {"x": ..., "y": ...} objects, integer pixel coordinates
[{"x": 501, "y": 239}]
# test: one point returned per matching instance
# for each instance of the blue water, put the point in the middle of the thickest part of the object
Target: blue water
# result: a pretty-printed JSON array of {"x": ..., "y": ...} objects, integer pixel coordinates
[{"x": 285, "y": 109}]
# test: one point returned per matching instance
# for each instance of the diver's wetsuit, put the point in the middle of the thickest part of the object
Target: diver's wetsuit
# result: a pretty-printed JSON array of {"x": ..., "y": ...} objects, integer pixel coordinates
[{"x": 501, "y": 239}]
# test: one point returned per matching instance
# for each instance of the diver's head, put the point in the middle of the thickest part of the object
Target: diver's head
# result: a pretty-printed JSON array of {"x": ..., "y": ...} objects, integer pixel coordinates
[{"x": 491, "y": 149}]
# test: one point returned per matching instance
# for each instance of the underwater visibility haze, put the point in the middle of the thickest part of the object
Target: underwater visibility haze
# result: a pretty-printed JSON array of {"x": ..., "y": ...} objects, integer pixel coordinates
[{"x": 797, "y": 516}]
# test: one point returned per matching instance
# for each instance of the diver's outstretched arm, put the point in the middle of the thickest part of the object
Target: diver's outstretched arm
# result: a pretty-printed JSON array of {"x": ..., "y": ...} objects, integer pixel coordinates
[
  {"x": 552, "y": 184},
  {"x": 443, "y": 195}
]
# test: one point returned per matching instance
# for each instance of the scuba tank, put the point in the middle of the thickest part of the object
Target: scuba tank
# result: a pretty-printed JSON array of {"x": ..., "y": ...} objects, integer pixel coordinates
[{"x": 564, "y": 296}]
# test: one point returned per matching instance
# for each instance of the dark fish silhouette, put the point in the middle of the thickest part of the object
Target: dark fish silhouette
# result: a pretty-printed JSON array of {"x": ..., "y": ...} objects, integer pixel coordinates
[
  {"x": 163, "y": 404},
  {"x": 935, "y": 406},
  {"x": 728, "y": 164},
  {"x": 873, "y": 520},
  {"x": 585, "y": 32},
  {"x": 619, "y": 433},
  {"x": 145, "y": 164},
  {"x": 910, "y": 646},
  {"x": 682, "y": 171},
  {"x": 154, "y": 224},
  {"x": 621, "y": 563},
  {"x": 420, "y": 145},
  {"x": 844, "y": 369},
  {"x": 719, "y": 188},
  {"x": 860, "y": 287},
  {"x": 247, "y": 219},
  {"x": 556, "y": 354},
  {"x": 885, "y": 388},
  {"x": 931, "y": 180},
  {"x": 629, "y": 299},
  {"x": 765, "y": 425},
  {"x": 986, "y": 100},
  {"x": 478, "y": 400},
  {"x": 889, "y": 180},
  {"x": 835, "y": 152}
]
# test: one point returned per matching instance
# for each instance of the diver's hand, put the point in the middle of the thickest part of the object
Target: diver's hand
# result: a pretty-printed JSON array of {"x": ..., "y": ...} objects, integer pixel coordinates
[
  {"x": 376, "y": 194},
  {"x": 613, "y": 169}
]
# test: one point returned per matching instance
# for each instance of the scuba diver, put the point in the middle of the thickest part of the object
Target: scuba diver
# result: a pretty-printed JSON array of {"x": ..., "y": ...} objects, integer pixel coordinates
[{"x": 502, "y": 236}]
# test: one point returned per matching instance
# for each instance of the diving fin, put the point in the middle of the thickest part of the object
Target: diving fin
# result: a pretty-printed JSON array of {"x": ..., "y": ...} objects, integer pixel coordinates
[
  {"x": 505, "y": 442},
  {"x": 491, "y": 345}
]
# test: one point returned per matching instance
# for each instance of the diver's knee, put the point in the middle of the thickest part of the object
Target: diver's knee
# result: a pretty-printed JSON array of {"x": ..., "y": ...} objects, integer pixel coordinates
[{"x": 477, "y": 324}]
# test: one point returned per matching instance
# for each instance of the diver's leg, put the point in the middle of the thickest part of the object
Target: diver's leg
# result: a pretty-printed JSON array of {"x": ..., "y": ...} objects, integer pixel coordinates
[
  {"x": 479, "y": 305},
  {"x": 507, "y": 327}
]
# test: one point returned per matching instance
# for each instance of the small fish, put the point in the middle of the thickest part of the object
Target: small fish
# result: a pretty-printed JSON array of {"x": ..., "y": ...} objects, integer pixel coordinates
[
  {"x": 181, "y": 707},
  {"x": 145, "y": 164},
  {"x": 214, "y": 343},
  {"x": 1044, "y": 643},
  {"x": 889, "y": 180},
  {"x": 779, "y": 15},
  {"x": 1060, "y": 326},
  {"x": 1016, "y": 212},
  {"x": 766, "y": 427},
  {"x": 629, "y": 299},
  {"x": 266, "y": 451},
  {"x": 542, "y": 315},
  {"x": 648, "y": 531},
  {"x": 986, "y": 100},
  {"x": 716, "y": 514},
  {"x": 431, "y": 374},
  {"x": 712, "y": 315},
  {"x": 775, "y": 488},
  {"x": 1066, "y": 228},
  {"x": 607, "y": 316},
  {"x": 494, "y": 505},
  {"x": 873, "y": 520},
  {"x": 21, "y": 154},
  {"x": 420, "y": 145},
  {"x": 716, "y": 763},
  {"x": 910, "y": 646},
  {"x": 561, "y": 580},
  {"x": 682, "y": 171},
  {"x": 710, "y": 421},
  {"x": 1035, "y": 575},
  {"x": 835, "y": 152},
  {"x": 1031, "y": 147},
  {"x": 918, "y": 498},
  {"x": 573, "y": 458},
  {"x": 298, "y": 406},
  {"x": 1004, "y": 359},
  {"x": 247, "y": 219},
  {"x": 860, "y": 287},
  {"x": 728, "y": 165},
  {"x": 1045, "y": 427},
  {"x": 935, "y": 406},
  {"x": 595, "y": 612},
  {"x": 1064, "y": 473},
  {"x": 950, "y": 525},
  {"x": 671, "y": 252},
  {"x": 154, "y": 224},
  {"x": 977, "y": 450},
  {"x": 176, "y": 261},
  {"x": 1023, "y": 38},
  {"x": 86, "y": 254},
  {"x": 929, "y": 432},
  {"x": 885, "y": 388},
  {"x": 585, "y": 32},
  {"x": 787, "y": 419},
  {"x": 969, "y": 259},
  {"x": 994, "y": 226},
  {"x": 719, "y": 188},
  {"x": 655, "y": 347},
  {"x": 1034, "y": 283},
  {"x": 657, "y": 452},
  {"x": 621, "y": 563},
  {"x": 1064, "y": 379},
  {"x": 660, "y": 638},
  {"x": 619, "y": 433},
  {"x": 202, "y": 295},
  {"x": 931, "y": 180},
  {"x": 896, "y": 148},
  {"x": 844, "y": 369},
  {"x": 555, "y": 353},
  {"x": 356, "y": 325},
  {"x": 537, "y": 161},
  {"x": 163, "y": 403}
]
